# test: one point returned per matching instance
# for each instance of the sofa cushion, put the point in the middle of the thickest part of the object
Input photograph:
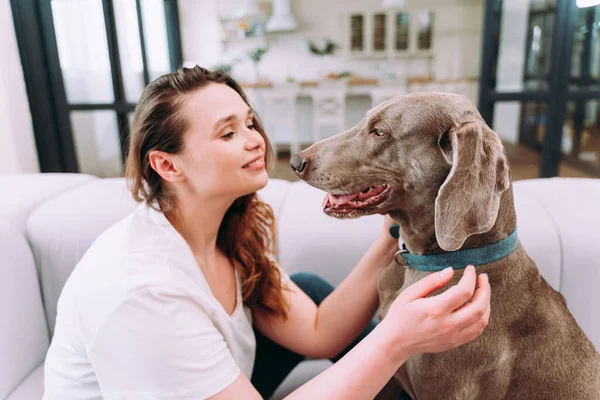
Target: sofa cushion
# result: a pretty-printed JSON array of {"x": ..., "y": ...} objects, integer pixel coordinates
[
  {"x": 62, "y": 229},
  {"x": 275, "y": 194},
  {"x": 303, "y": 373},
  {"x": 573, "y": 206},
  {"x": 24, "y": 334},
  {"x": 31, "y": 388},
  {"x": 537, "y": 232},
  {"x": 22, "y": 193},
  {"x": 311, "y": 241}
]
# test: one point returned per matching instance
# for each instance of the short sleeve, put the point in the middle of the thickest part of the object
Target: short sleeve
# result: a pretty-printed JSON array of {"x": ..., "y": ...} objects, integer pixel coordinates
[{"x": 159, "y": 345}]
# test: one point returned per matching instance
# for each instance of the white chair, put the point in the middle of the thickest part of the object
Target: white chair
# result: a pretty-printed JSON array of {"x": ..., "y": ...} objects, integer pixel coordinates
[
  {"x": 386, "y": 90},
  {"x": 329, "y": 106},
  {"x": 278, "y": 113}
]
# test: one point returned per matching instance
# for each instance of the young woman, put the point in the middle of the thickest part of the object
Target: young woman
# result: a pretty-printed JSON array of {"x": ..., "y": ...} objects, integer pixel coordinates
[{"x": 183, "y": 299}]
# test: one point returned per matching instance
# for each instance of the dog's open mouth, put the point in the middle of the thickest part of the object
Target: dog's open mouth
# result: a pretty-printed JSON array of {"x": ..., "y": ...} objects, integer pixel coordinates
[{"x": 350, "y": 203}]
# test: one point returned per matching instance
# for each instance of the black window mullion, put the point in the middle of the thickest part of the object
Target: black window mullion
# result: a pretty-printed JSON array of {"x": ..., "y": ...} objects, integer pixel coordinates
[
  {"x": 124, "y": 107},
  {"x": 584, "y": 80},
  {"x": 116, "y": 71},
  {"x": 489, "y": 55},
  {"x": 173, "y": 34},
  {"x": 57, "y": 89},
  {"x": 560, "y": 70},
  {"x": 528, "y": 95},
  {"x": 583, "y": 94},
  {"x": 113, "y": 51},
  {"x": 138, "y": 7}
]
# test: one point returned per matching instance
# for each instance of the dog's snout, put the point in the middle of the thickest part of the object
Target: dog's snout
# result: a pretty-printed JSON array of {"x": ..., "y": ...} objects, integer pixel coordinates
[{"x": 298, "y": 163}]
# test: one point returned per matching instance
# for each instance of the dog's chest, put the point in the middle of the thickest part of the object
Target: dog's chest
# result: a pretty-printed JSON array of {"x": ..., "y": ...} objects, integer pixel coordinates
[{"x": 474, "y": 371}]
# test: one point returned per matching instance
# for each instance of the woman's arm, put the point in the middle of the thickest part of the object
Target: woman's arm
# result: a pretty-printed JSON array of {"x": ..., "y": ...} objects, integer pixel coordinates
[
  {"x": 414, "y": 324},
  {"x": 324, "y": 331},
  {"x": 360, "y": 374}
]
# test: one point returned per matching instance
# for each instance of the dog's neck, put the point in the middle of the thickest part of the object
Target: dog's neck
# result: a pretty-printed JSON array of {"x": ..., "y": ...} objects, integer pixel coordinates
[{"x": 417, "y": 224}]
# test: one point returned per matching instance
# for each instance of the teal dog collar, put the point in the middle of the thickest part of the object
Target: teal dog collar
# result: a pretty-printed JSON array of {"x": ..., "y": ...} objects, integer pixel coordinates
[{"x": 460, "y": 259}]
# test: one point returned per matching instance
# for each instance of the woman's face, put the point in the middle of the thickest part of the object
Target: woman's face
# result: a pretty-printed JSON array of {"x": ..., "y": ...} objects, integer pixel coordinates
[{"x": 223, "y": 154}]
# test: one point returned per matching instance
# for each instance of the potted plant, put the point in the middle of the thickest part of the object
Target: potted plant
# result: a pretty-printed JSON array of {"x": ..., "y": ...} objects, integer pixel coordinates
[
  {"x": 326, "y": 51},
  {"x": 256, "y": 56}
]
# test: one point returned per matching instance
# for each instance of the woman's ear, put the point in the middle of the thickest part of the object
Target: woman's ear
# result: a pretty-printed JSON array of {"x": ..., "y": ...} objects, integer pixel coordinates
[{"x": 165, "y": 165}]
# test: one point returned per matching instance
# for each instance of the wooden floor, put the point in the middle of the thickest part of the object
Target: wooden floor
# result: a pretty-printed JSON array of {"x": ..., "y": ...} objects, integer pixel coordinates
[{"x": 524, "y": 164}]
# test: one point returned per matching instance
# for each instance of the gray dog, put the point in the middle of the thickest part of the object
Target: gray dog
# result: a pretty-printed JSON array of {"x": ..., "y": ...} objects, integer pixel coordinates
[{"x": 431, "y": 163}]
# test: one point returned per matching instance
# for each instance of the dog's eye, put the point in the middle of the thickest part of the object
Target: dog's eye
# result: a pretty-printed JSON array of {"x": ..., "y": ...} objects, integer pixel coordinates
[{"x": 375, "y": 132}]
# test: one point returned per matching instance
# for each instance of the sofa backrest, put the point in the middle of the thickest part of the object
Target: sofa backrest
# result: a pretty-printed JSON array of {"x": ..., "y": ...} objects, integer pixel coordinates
[
  {"x": 24, "y": 335},
  {"x": 22, "y": 193},
  {"x": 61, "y": 229},
  {"x": 572, "y": 208}
]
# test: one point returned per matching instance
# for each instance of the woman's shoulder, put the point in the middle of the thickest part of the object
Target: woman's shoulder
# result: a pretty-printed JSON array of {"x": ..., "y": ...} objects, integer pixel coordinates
[
  {"x": 141, "y": 232},
  {"x": 134, "y": 250}
]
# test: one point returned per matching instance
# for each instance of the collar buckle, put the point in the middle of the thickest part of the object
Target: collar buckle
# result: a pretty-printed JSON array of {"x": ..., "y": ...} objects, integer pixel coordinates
[{"x": 400, "y": 253}]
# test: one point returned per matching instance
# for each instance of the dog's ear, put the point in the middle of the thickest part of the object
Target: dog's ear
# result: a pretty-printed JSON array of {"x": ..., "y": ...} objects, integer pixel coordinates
[{"x": 468, "y": 201}]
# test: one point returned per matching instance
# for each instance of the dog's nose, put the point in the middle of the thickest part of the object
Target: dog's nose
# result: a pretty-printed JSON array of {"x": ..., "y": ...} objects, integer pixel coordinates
[{"x": 297, "y": 163}]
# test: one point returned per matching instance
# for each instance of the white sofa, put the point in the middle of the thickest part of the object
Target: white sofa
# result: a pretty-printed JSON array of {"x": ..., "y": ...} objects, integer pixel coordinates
[{"x": 47, "y": 221}]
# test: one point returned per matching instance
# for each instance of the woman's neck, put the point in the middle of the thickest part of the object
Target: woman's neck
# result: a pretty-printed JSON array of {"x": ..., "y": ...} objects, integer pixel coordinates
[{"x": 197, "y": 219}]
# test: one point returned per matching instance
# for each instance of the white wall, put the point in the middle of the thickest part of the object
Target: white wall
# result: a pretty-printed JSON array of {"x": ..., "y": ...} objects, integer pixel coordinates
[{"x": 16, "y": 132}]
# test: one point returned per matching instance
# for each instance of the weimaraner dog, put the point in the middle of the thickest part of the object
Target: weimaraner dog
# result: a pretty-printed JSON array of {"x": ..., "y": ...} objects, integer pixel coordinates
[{"x": 431, "y": 163}]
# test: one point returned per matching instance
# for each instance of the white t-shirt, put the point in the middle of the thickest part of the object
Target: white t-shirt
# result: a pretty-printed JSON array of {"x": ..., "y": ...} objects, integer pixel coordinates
[{"x": 137, "y": 320}]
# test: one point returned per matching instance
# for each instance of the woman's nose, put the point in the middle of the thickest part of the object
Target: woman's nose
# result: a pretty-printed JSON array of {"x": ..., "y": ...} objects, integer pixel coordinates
[{"x": 253, "y": 139}]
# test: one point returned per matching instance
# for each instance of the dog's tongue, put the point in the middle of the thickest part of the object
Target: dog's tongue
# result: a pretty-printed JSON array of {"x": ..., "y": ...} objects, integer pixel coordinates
[{"x": 337, "y": 200}]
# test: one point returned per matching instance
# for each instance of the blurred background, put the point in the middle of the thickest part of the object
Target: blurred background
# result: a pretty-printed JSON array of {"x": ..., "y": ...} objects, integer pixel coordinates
[{"x": 72, "y": 71}]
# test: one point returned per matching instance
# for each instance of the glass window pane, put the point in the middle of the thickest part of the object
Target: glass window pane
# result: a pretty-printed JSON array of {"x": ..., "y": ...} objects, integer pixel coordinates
[
  {"x": 521, "y": 128},
  {"x": 525, "y": 45},
  {"x": 402, "y": 25},
  {"x": 83, "y": 50},
  {"x": 581, "y": 133},
  {"x": 97, "y": 145},
  {"x": 425, "y": 33},
  {"x": 155, "y": 33},
  {"x": 585, "y": 60},
  {"x": 379, "y": 32},
  {"x": 356, "y": 33},
  {"x": 130, "y": 49},
  {"x": 130, "y": 120}
]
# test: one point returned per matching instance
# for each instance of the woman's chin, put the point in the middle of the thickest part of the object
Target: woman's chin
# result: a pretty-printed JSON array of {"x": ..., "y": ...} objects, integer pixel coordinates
[
  {"x": 256, "y": 183},
  {"x": 262, "y": 179}
]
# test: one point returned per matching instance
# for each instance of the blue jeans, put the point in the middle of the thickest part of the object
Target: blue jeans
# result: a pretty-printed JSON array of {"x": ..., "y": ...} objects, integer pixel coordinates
[{"x": 274, "y": 362}]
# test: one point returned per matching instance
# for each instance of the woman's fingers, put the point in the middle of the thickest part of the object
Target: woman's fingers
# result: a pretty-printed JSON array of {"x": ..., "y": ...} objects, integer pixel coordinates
[
  {"x": 458, "y": 294},
  {"x": 427, "y": 285},
  {"x": 475, "y": 310},
  {"x": 472, "y": 331}
]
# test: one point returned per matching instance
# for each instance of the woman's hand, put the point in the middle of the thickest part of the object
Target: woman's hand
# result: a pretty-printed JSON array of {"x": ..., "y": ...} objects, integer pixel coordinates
[
  {"x": 388, "y": 222},
  {"x": 433, "y": 324},
  {"x": 385, "y": 237}
]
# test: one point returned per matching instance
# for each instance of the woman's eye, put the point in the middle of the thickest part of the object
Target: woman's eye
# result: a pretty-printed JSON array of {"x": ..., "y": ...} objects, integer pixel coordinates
[
  {"x": 228, "y": 135},
  {"x": 251, "y": 126}
]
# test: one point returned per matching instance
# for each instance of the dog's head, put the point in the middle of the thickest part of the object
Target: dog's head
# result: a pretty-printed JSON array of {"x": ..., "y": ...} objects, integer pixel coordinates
[{"x": 428, "y": 148}]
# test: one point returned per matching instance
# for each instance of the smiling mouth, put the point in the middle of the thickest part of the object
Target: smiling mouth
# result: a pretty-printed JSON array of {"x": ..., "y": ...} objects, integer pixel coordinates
[
  {"x": 254, "y": 163},
  {"x": 350, "y": 204}
]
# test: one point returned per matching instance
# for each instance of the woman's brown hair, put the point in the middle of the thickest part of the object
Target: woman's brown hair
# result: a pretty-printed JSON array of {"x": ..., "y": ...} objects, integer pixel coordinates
[{"x": 247, "y": 232}]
